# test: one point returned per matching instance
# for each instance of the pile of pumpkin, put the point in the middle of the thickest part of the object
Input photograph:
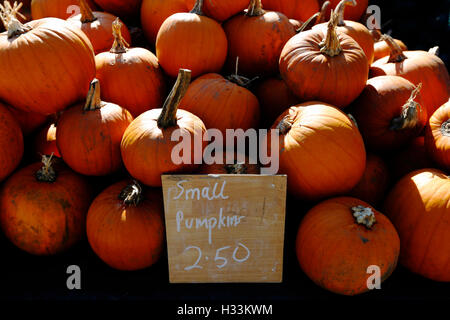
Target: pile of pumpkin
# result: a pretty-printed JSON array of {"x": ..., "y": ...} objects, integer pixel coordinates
[{"x": 357, "y": 113}]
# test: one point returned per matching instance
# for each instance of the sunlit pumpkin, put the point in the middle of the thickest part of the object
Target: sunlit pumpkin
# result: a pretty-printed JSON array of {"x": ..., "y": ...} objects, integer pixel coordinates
[{"x": 437, "y": 136}]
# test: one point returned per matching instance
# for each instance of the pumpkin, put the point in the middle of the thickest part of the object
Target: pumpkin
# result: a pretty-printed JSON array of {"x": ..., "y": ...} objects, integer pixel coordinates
[
  {"x": 222, "y": 103},
  {"x": 98, "y": 27},
  {"x": 28, "y": 121},
  {"x": 131, "y": 78},
  {"x": 11, "y": 142},
  {"x": 147, "y": 144},
  {"x": 297, "y": 9},
  {"x": 339, "y": 239},
  {"x": 62, "y": 9},
  {"x": 418, "y": 208},
  {"x": 354, "y": 13},
  {"x": 374, "y": 183},
  {"x": 257, "y": 38},
  {"x": 128, "y": 8},
  {"x": 389, "y": 112},
  {"x": 30, "y": 78},
  {"x": 326, "y": 66},
  {"x": 44, "y": 142},
  {"x": 125, "y": 226},
  {"x": 89, "y": 134},
  {"x": 43, "y": 208},
  {"x": 417, "y": 67},
  {"x": 320, "y": 149},
  {"x": 203, "y": 41},
  {"x": 274, "y": 97},
  {"x": 229, "y": 162},
  {"x": 381, "y": 49},
  {"x": 220, "y": 10},
  {"x": 437, "y": 136},
  {"x": 154, "y": 12}
]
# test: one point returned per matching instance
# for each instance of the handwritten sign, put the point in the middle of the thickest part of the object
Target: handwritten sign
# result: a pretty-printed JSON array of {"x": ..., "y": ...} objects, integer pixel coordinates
[{"x": 224, "y": 228}]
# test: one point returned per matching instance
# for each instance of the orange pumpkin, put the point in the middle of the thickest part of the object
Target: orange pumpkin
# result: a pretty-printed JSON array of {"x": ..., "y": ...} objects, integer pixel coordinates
[
  {"x": 417, "y": 67},
  {"x": 98, "y": 27},
  {"x": 45, "y": 141},
  {"x": 125, "y": 226},
  {"x": 437, "y": 136},
  {"x": 320, "y": 149},
  {"x": 389, "y": 112},
  {"x": 43, "y": 208},
  {"x": 121, "y": 8},
  {"x": 30, "y": 77},
  {"x": 203, "y": 41},
  {"x": 132, "y": 78},
  {"x": 328, "y": 66},
  {"x": 154, "y": 12},
  {"x": 28, "y": 121},
  {"x": 62, "y": 9},
  {"x": 354, "y": 13},
  {"x": 339, "y": 239},
  {"x": 418, "y": 208},
  {"x": 257, "y": 38},
  {"x": 11, "y": 142},
  {"x": 229, "y": 162},
  {"x": 147, "y": 144},
  {"x": 220, "y": 10},
  {"x": 297, "y": 9},
  {"x": 89, "y": 134}
]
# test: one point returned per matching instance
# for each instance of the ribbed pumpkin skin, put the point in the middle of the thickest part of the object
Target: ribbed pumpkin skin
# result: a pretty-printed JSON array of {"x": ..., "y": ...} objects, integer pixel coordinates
[
  {"x": 11, "y": 142},
  {"x": 351, "y": 13},
  {"x": 61, "y": 9},
  {"x": 221, "y": 104},
  {"x": 44, "y": 218},
  {"x": 99, "y": 31},
  {"x": 257, "y": 41},
  {"x": 419, "y": 67},
  {"x": 381, "y": 101},
  {"x": 30, "y": 79},
  {"x": 335, "y": 252},
  {"x": 28, "y": 121},
  {"x": 220, "y": 10},
  {"x": 121, "y": 8},
  {"x": 323, "y": 153},
  {"x": 154, "y": 12},
  {"x": 126, "y": 237},
  {"x": 296, "y": 9},
  {"x": 381, "y": 49},
  {"x": 418, "y": 208},
  {"x": 203, "y": 41},
  {"x": 133, "y": 80},
  {"x": 45, "y": 142},
  {"x": 89, "y": 141},
  {"x": 437, "y": 137},
  {"x": 312, "y": 75},
  {"x": 245, "y": 167}
]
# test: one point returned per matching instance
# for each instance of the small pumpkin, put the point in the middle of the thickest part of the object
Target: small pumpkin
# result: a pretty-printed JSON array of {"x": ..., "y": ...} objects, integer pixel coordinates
[
  {"x": 203, "y": 41},
  {"x": 44, "y": 142},
  {"x": 354, "y": 13},
  {"x": 437, "y": 136},
  {"x": 125, "y": 226},
  {"x": 389, "y": 112},
  {"x": 418, "y": 208},
  {"x": 147, "y": 144},
  {"x": 297, "y": 9},
  {"x": 43, "y": 208},
  {"x": 128, "y": 8},
  {"x": 229, "y": 162},
  {"x": 28, "y": 121},
  {"x": 221, "y": 10},
  {"x": 89, "y": 134},
  {"x": 131, "y": 78},
  {"x": 327, "y": 66},
  {"x": 257, "y": 38},
  {"x": 339, "y": 239},
  {"x": 62, "y": 9}
]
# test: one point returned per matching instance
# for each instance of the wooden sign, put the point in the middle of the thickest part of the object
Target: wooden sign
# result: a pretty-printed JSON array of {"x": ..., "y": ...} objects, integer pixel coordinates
[{"x": 224, "y": 228}]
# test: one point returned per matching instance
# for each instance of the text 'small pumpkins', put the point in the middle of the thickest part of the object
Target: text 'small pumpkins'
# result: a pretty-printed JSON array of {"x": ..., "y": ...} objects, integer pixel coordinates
[
  {"x": 418, "y": 208},
  {"x": 220, "y": 10},
  {"x": 11, "y": 142},
  {"x": 320, "y": 149},
  {"x": 89, "y": 134},
  {"x": 125, "y": 226},
  {"x": 45, "y": 65},
  {"x": 191, "y": 41},
  {"x": 324, "y": 65},
  {"x": 437, "y": 136},
  {"x": 300, "y": 10},
  {"x": 339, "y": 239},
  {"x": 148, "y": 143},
  {"x": 130, "y": 77},
  {"x": 61, "y": 9},
  {"x": 44, "y": 207}
]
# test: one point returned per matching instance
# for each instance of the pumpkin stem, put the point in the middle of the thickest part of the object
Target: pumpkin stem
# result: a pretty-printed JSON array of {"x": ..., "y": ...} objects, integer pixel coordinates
[
  {"x": 255, "y": 9},
  {"x": 237, "y": 168},
  {"x": 285, "y": 125},
  {"x": 445, "y": 128},
  {"x": 331, "y": 45},
  {"x": 434, "y": 51},
  {"x": 240, "y": 80},
  {"x": 323, "y": 11},
  {"x": 364, "y": 216},
  {"x": 93, "y": 100},
  {"x": 198, "y": 8},
  {"x": 8, "y": 15},
  {"x": 46, "y": 173},
  {"x": 168, "y": 117},
  {"x": 341, "y": 8},
  {"x": 316, "y": 18},
  {"x": 396, "y": 52},
  {"x": 86, "y": 12},
  {"x": 131, "y": 194},
  {"x": 120, "y": 45},
  {"x": 410, "y": 113},
  {"x": 376, "y": 35}
]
